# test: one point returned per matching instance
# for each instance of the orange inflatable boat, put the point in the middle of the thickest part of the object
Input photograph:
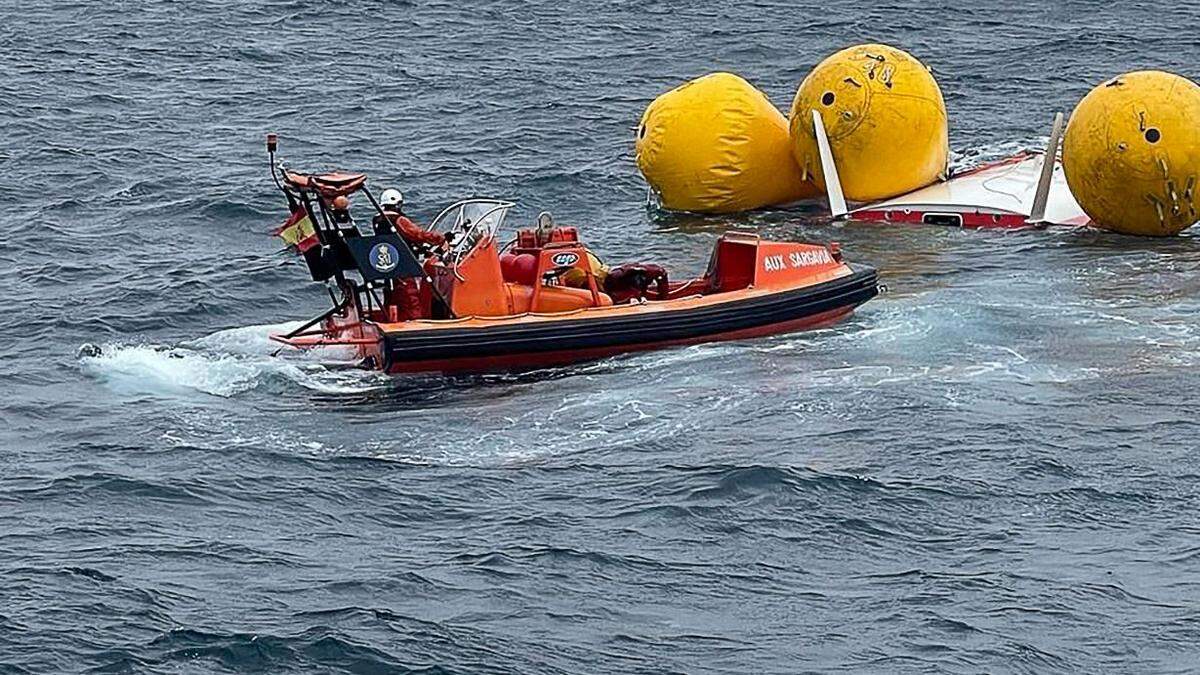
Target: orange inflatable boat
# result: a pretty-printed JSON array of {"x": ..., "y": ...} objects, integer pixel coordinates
[{"x": 477, "y": 303}]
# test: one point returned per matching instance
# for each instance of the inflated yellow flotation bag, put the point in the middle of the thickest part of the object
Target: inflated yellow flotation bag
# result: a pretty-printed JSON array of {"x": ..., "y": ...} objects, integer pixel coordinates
[
  {"x": 718, "y": 145},
  {"x": 1132, "y": 153},
  {"x": 885, "y": 118}
]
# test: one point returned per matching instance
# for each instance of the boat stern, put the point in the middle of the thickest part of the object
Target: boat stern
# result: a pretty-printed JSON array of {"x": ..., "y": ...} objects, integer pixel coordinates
[{"x": 340, "y": 329}]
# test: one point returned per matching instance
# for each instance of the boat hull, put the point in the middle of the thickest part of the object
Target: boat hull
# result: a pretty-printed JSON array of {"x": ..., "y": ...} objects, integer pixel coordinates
[
  {"x": 515, "y": 345},
  {"x": 995, "y": 195}
]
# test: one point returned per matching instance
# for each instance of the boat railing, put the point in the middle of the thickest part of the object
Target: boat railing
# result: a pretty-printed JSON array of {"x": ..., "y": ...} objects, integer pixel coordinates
[{"x": 473, "y": 221}]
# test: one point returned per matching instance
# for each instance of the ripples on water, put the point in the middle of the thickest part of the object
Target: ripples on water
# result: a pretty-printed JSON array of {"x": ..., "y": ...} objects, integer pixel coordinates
[{"x": 991, "y": 468}]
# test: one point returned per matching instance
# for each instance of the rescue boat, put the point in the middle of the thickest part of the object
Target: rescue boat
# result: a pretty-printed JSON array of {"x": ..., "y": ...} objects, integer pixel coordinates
[{"x": 541, "y": 298}]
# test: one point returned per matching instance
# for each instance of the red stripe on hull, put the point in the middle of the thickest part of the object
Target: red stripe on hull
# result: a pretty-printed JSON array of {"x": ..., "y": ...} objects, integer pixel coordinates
[
  {"x": 545, "y": 359},
  {"x": 968, "y": 219}
]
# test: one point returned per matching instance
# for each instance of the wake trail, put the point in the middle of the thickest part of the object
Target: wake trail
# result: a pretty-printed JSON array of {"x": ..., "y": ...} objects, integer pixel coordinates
[{"x": 225, "y": 364}]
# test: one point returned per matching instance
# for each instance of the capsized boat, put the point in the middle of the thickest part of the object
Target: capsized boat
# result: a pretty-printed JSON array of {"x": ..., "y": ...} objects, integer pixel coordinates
[
  {"x": 542, "y": 297},
  {"x": 999, "y": 194},
  {"x": 1028, "y": 189}
]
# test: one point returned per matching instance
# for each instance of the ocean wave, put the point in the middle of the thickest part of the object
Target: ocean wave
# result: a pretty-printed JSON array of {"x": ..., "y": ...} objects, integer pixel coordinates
[{"x": 316, "y": 647}]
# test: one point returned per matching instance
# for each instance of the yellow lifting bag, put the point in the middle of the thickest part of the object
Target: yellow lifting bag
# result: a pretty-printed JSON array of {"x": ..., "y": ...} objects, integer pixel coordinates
[{"x": 718, "y": 145}]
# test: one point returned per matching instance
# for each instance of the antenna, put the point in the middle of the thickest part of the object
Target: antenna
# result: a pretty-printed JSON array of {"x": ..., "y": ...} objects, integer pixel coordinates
[
  {"x": 272, "y": 146},
  {"x": 1037, "y": 213},
  {"x": 833, "y": 185}
]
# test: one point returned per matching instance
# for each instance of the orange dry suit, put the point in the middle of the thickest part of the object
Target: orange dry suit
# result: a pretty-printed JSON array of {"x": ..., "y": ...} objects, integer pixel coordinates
[{"x": 406, "y": 293}]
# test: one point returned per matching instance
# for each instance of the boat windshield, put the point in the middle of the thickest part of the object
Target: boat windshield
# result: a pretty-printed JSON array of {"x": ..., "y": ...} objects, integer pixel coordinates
[{"x": 470, "y": 221}]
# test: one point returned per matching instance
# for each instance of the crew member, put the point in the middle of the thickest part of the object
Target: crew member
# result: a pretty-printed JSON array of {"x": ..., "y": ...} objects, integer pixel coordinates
[
  {"x": 405, "y": 294},
  {"x": 623, "y": 282},
  {"x": 633, "y": 281},
  {"x": 577, "y": 278},
  {"x": 392, "y": 203}
]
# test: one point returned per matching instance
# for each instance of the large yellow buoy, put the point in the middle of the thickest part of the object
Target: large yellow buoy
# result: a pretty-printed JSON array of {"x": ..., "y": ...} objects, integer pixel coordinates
[
  {"x": 1132, "y": 153},
  {"x": 885, "y": 118},
  {"x": 717, "y": 145}
]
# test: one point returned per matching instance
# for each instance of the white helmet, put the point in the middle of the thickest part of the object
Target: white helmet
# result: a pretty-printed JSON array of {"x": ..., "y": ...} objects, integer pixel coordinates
[{"x": 391, "y": 197}]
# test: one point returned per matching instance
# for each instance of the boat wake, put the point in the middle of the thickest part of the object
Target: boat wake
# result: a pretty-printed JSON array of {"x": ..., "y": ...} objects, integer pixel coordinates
[{"x": 226, "y": 363}]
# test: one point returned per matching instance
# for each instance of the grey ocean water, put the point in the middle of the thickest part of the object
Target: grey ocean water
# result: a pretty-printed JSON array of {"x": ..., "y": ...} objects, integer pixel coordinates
[{"x": 992, "y": 468}]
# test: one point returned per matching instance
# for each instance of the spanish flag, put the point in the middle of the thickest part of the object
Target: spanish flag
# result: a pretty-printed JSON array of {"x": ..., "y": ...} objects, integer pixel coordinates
[{"x": 298, "y": 231}]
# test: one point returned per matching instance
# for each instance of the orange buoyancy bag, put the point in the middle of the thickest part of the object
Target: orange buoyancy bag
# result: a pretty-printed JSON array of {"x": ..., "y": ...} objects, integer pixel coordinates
[{"x": 518, "y": 268}]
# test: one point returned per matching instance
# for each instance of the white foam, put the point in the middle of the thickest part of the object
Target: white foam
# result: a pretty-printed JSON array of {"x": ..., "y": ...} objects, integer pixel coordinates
[
  {"x": 227, "y": 363},
  {"x": 154, "y": 369},
  {"x": 973, "y": 157},
  {"x": 246, "y": 340}
]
